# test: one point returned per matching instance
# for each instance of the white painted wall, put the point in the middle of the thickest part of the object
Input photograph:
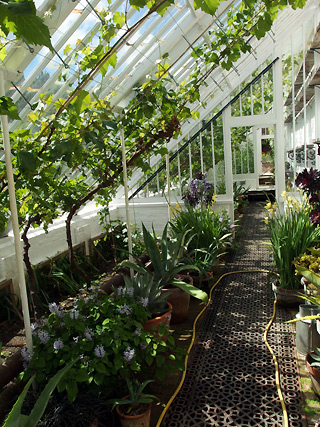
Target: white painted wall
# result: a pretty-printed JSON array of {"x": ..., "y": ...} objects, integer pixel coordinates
[{"x": 85, "y": 226}]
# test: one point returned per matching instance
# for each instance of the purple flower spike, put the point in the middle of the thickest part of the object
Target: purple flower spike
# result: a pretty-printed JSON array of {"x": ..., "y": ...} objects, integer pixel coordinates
[{"x": 128, "y": 354}]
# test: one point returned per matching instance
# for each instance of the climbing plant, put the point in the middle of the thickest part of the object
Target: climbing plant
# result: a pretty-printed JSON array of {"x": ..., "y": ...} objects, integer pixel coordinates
[{"x": 73, "y": 155}]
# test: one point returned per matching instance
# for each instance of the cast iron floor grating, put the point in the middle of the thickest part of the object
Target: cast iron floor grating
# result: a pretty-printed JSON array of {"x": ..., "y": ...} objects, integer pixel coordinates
[{"x": 231, "y": 380}]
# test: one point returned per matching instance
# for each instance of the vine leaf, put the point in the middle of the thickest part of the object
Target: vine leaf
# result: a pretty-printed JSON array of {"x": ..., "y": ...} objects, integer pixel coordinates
[
  {"x": 208, "y": 6},
  {"x": 20, "y": 19},
  {"x": 8, "y": 108},
  {"x": 27, "y": 160},
  {"x": 82, "y": 101}
]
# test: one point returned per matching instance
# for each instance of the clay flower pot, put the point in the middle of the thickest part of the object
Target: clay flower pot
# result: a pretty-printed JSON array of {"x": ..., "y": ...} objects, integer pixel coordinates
[
  {"x": 314, "y": 374},
  {"x": 137, "y": 419},
  {"x": 152, "y": 325},
  {"x": 287, "y": 297}
]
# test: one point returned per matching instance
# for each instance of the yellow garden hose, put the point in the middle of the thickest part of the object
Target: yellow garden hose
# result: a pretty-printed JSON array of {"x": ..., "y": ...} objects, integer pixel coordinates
[{"x": 277, "y": 376}]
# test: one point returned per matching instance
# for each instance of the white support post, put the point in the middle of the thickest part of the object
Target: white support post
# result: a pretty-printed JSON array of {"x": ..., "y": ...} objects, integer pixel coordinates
[
  {"x": 201, "y": 153},
  {"x": 226, "y": 118},
  {"x": 190, "y": 159},
  {"x": 213, "y": 161},
  {"x": 279, "y": 147},
  {"x": 256, "y": 139},
  {"x": 168, "y": 184},
  {"x": 15, "y": 222},
  {"x": 317, "y": 120},
  {"x": 125, "y": 184}
]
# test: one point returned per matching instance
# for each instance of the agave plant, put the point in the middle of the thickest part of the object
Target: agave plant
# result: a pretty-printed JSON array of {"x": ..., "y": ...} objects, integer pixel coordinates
[
  {"x": 167, "y": 262},
  {"x": 148, "y": 289},
  {"x": 315, "y": 356},
  {"x": 136, "y": 396}
]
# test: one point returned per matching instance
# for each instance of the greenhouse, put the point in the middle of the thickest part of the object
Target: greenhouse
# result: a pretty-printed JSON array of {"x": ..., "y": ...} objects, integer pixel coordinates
[{"x": 160, "y": 213}]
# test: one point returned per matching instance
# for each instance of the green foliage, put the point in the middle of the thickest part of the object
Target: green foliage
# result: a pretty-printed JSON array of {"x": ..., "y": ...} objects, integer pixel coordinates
[
  {"x": 16, "y": 419},
  {"x": 145, "y": 287},
  {"x": 8, "y": 311},
  {"x": 136, "y": 396},
  {"x": 291, "y": 233},
  {"x": 315, "y": 356},
  {"x": 108, "y": 335},
  {"x": 167, "y": 261},
  {"x": 20, "y": 19},
  {"x": 208, "y": 232},
  {"x": 8, "y": 108},
  {"x": 115, "y": 243}
]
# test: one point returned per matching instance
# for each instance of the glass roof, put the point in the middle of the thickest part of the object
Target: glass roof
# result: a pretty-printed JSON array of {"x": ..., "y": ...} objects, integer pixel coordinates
[{"x": 80, "y": 27}]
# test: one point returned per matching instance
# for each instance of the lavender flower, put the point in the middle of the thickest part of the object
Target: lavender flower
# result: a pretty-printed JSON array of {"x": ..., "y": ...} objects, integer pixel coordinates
[
  {"x": 74, "y": 314},
  {"x": 43, "y": 336},
  {"x": 58, "y": 344},
  {"x": 55, "y": 309},
  {"x": 124, "y": 309},
  {"x": 121, "y": 291},
  {"x": 26, "y": 354},
  {"x": 144, "y": 301},
  {"x": 130, "y": 292},
  {"x": 33, "y": 329},
  {"x": 137, "y": 332},
  {"x": 88, "y": 333},
  {"x": 99, "y": 351},
  {"x": 128, "y": 354}
]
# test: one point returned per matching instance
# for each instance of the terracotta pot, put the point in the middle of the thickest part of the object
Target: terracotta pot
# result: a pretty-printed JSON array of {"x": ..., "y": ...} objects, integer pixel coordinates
[
  {"x": 141, "y": 420},
  {"x": 314, "y": 374},
  {"x": 152, "y": 325},
  {"x": 180, "y": 301},
  {"x": 199, "y": 279},
  {"x": 287, "y": 297}
]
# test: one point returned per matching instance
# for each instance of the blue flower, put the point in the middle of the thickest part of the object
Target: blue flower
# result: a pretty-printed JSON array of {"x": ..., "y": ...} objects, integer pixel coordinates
[
  {"x": 58, "y": 344},
  {"x": 99, "y": 351},
  {"x": 74, "y": 314},
  {"x": 26, "y": 354},
  {"x": 124, "y": 309},
  {"x": 88, "y": 333},
  {"x": 55, "y": 309},
  {"x": 144, "y": 301},
  {"x": 128, "y": 354},
  {"x": 43, "y": 336},
  {"x": 137, "y": 332}
]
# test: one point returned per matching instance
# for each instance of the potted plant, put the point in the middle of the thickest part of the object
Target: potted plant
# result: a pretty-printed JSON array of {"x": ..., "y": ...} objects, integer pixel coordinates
[
  {"x": 144, "y": 287},
  {"x": 134, "y": 409},
  {"x": 313, "y": 366},
  {"x": 291, "y": 233},
  {"x": 166, "y": 263},
  {"x": 107, "y": 332}
]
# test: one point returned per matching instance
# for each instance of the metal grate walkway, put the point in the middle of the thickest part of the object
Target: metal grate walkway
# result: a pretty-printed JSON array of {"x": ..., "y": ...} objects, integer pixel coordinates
[{"x": 231, "y": 380}]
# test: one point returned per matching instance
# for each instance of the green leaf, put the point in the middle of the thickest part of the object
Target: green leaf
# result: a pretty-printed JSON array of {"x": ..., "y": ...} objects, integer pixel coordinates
[
  {"x": 21, "y": 8},
  {"x": 8, "y": 108},
  {"x": 100, "y": 367},
  {"x": 82, "y": 375},
  {"x": 13, "y": 419},
  {"x": 27, "y": 160},
  {"x": 20, "y": 19},
  {"x": 81, "y": 101},
  {"x": 208, "y": 6},
  {"x": 72, "y": 390}
]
